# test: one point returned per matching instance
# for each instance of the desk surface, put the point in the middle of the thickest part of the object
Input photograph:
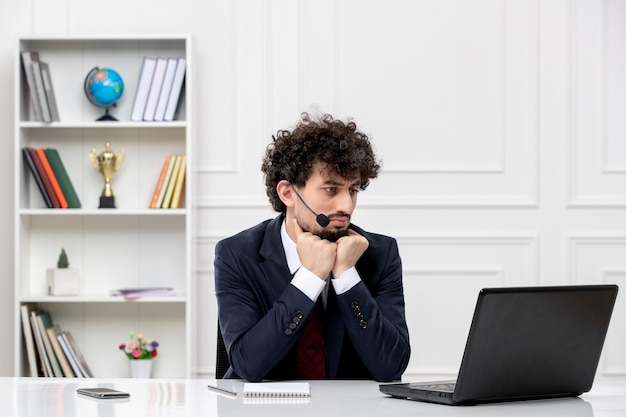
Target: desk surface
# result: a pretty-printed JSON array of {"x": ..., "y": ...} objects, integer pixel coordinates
[{"x": 56, "y": 397}]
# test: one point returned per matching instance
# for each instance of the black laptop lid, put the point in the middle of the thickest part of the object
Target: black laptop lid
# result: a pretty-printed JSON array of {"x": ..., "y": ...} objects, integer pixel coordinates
[{"x": 534, "y": 342}]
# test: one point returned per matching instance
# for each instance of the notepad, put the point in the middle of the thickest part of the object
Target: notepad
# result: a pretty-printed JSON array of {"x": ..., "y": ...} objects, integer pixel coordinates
[{"x": 276, "y": 390}]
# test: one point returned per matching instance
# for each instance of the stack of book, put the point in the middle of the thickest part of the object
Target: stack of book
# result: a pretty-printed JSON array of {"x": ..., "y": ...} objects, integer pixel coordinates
[
  {"x": 138, "y": 292},
  {"x": 158, "y": 89},
  {"x": 51, "y": 351},
  {"x": 39, "y": 82},
  {"x": 170, "y": 185},
  {"x": 51, "y": 177}
]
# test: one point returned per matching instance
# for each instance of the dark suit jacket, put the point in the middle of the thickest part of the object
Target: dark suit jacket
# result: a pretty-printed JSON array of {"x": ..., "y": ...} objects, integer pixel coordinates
[{"x": 366, "y": 332}]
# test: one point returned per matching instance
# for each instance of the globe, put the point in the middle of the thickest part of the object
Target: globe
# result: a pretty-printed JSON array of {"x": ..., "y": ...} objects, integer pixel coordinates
[{"x": 104, "y": 87}]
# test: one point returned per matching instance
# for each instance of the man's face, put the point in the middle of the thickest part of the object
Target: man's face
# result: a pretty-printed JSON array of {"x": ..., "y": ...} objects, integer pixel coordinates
[{"x": 327, "y": 193}]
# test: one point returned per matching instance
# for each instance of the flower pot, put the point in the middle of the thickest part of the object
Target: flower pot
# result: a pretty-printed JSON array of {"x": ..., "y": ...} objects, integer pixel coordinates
[
  {"x": 63, "y": 281},
  {"x": 140, "y": 368}
]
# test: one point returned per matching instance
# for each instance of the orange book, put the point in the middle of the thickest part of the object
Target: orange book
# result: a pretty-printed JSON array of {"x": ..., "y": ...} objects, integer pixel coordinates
[
  {"x": 161, "y": 180},
  {"x": 53, "y": 179}
]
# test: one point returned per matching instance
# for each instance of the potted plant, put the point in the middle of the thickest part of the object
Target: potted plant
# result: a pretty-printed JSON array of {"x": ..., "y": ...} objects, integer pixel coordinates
[{"x": 63, "y": 280}]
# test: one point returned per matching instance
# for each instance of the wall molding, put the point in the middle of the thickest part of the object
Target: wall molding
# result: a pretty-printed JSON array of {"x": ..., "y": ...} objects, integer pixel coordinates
[
  {"x": 505, "y": 202},
  {"x": 576, "y": 241},
  {"x": 576, "y": 173}
]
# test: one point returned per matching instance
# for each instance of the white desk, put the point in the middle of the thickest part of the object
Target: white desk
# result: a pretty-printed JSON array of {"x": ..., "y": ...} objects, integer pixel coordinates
[{"x": 56, "y": 397}]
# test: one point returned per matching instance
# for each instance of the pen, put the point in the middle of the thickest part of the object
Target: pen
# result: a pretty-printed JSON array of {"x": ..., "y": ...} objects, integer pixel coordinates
[{"x": 222, "y": 391}]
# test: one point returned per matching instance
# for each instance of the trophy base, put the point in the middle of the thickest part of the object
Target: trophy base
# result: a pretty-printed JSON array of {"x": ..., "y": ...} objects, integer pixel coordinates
[{"x": 107, "y": 202}]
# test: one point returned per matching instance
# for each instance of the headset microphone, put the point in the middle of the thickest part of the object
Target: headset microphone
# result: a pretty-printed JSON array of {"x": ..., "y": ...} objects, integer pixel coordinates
[{"x": 321, "y": 219}]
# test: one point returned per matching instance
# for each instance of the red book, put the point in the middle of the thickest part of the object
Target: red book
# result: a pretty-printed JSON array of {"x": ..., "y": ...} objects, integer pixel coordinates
[
  {"x": 53, "y": 178},
  {"x": 161, "y": 180},
  {"x": 44, "y": 178}
]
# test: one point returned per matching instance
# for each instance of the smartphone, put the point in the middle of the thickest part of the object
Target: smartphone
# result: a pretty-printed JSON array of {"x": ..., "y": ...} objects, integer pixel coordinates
[{"x": 102, "y": 393}]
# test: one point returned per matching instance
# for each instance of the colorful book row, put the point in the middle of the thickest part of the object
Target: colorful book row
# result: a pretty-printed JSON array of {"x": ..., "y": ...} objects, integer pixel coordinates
[
  {"x": 51, "y": 177},
  {"x": 158, "y": 89},
  {"x": 51, "y": 351},
  {"x": 170, "y": 186},
  {"x": 39, "y": 82}
]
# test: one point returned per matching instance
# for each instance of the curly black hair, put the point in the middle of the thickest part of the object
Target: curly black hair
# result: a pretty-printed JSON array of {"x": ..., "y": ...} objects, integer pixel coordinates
[{"x": 334, "y": 143}]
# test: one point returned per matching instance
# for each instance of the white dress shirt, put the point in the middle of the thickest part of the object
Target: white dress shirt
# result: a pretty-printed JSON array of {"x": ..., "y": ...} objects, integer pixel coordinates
[{"x": 309, "y": 283}]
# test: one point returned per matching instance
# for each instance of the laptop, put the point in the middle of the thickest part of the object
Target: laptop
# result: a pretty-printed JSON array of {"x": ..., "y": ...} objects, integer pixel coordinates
[{"x": 525, "y": 343}]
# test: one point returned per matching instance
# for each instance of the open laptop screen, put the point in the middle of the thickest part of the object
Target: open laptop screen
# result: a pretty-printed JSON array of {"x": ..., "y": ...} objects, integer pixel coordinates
[{"x": 532, "y": 342}]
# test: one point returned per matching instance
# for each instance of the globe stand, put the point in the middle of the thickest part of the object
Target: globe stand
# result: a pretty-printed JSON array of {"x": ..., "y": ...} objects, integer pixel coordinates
[{"x": 107, "y": 117}]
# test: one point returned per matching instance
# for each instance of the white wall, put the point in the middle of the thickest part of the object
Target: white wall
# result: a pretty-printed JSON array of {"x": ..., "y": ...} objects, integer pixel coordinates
[{"x": 500, "y": 125}]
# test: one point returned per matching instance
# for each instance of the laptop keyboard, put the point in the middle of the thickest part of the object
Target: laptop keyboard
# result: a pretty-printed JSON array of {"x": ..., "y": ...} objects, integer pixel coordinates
[{"x": 443, "y": 386}]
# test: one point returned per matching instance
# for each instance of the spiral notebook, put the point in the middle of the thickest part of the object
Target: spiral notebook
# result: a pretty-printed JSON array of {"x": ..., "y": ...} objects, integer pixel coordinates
[{"x": 276, "y": 390}]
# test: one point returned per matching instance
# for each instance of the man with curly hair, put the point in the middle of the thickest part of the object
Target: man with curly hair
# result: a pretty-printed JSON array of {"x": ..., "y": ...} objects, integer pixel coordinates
[{"x": 310, "y": 267}]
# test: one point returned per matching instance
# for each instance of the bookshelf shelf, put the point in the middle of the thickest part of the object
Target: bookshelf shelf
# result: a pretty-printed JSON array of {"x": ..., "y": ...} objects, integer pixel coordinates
[
  {"x": 128, "y": 246},
  {"x": 103, "y": 299},
  {"x": 103, "y": 125},
  {"x": 99, "y": 213}
]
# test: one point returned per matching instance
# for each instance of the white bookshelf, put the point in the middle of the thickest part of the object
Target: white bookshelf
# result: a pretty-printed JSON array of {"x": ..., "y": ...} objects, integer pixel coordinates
[{"x": 128, "y": 246}]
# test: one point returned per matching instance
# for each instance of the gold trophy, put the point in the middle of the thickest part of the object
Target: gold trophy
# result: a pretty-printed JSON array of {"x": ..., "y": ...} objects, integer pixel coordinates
[{"x": 107, "y": 163}]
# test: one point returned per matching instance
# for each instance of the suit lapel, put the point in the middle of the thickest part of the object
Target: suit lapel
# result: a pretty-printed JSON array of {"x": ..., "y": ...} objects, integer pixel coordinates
[{"x": 274, "y": 264}]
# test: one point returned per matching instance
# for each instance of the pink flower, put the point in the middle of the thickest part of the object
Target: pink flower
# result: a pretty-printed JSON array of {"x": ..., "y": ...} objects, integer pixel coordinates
[{"x": 139, "y": 347}]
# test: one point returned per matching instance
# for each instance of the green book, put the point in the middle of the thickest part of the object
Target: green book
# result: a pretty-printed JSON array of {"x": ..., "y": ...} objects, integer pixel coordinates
[
  {"x": 44, "y": 320},
  {"x": 62, "y": 178}
]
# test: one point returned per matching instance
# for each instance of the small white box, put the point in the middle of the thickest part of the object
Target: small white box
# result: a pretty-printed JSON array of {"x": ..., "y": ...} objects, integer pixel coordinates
[{"x": 63, "y": 281}]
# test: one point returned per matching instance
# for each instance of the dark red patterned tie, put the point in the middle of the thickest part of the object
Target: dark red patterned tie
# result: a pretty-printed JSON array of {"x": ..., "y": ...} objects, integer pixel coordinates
[{"x": 311, "y": 358}]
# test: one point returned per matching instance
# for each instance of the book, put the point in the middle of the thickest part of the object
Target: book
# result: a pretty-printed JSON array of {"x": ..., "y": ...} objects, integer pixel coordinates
[
  {"x": 171, "y": 183},
  {"x": 155, "y": 89},
  {"x": 180, "y": 183},
  {"x": 160, "y": 181},
  {"x": 41, "y": 91},
  {"x": 65, "y": 346},
  {"x": 276, "y": 390},
  {"x": 138, "y": 292},
  {"x": 44, "y": 321},
  {"x": 78, "y": 355},
  {"x": 46, "y": 369},
  {"x": 52, "y": 178},
  {"x": 27, "y": 61},
  {"x": 29, "y": 339},
  {"x": 168, "y": 175},
  {"x": 143, "y": 88},
  {"x": 44, "y": 178},
  {"x": 166, "y": 87},
  {"x": 49, "y": 90},
  {"x": 175, "y": 91},
  {"x": 33, "y": 169},
  {"x": 62, "y": 177},
  {"x": 53, "y": 333}
]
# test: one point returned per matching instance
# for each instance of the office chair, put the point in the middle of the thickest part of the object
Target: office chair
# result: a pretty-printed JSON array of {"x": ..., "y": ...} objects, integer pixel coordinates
[{"x": 221, "y": 363}]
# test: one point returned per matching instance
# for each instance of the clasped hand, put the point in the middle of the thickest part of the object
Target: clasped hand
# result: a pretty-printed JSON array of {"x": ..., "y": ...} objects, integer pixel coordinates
[{"x": 321, "y": 256}]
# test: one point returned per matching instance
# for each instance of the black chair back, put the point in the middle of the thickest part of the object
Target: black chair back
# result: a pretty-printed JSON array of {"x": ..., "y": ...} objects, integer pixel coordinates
[{"x": 221, "y": 363}]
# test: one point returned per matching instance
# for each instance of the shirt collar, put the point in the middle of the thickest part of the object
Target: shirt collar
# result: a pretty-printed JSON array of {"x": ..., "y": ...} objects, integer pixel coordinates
[{"x": 289, "y": 246}]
